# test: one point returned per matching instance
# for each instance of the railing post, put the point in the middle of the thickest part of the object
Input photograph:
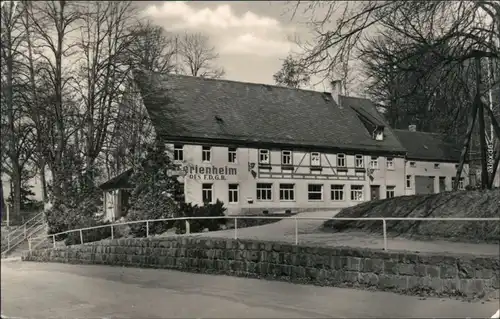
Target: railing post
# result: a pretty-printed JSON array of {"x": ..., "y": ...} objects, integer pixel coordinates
[
  {"x": 54, "y": 241},
  {"x": 8, "y": 241},
  {"x": 81, "y": 237},
  {"x": 384, "y": 225},
  {"x": 188, "y": 230},
  {"x": 24, "y": 231},
  {"x": 296, "y": 231},
  {"x": 29, "y": 244},
  {"x": 147, "y": 228},
  {"x": 112, "y": 235},
  {"x": 235, "y": 228}
]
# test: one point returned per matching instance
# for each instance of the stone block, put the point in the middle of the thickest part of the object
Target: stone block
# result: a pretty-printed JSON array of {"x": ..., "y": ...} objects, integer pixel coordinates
[
  {"x": 354, "y": 264},
  {"x": 432, "y": 271},
  {"x": 372, "y": 265}
]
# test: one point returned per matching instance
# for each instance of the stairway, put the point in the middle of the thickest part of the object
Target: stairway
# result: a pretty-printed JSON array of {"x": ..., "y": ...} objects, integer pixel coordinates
[{"x": 16, "y": 241}]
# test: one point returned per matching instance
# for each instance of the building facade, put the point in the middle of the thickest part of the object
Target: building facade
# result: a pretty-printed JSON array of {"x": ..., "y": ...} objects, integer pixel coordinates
[{"x": 251, "y": 179}]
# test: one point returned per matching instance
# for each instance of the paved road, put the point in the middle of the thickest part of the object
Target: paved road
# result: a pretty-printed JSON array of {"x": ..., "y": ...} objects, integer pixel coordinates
[
  {"x": 310, "y": 233},
  {"x": 37, "y": 290}
]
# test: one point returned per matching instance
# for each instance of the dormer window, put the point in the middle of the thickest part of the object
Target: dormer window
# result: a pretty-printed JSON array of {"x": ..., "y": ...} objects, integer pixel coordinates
[{"x": 378, "y": 134}]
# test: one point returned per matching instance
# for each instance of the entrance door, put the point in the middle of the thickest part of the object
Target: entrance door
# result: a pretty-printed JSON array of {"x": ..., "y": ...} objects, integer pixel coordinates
[
  {"x": 442, "y": 184},
  {"x": 374, "y": 192},
  {"x": 424, "y": 185}
]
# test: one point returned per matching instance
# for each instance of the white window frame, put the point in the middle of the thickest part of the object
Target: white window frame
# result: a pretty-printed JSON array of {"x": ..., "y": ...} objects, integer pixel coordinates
[
  {"x": 389, "y": 163},
  {"x": 309, "y": 192},
  {"x": 341, "y": 160},
  {"x": 357, "y": 193},
  {"x": 206, "y": 154},
  {"x": 374, "y": 162},
  {"x": 232, "y": 155},
  {"x": 233, "y": 191},
  {"x": 264, "y": 190},
  {"x": 390, "y": 190},
  {"x": 337, "y": 192},
  {"x": 286, "y": 157},
  {"x": 409, "y": 182},
  {"x": 359, "y": 161},
  {"x": 263, "y": 153},
  {"x": 178, "y": 152},
  {"x": 436, "y": 165},
  {"x": 315, "y": 162},
  {"x": 413, "y": 164},
  {"x": 205, "y": 190},
  {"x": 290, "y": 192}
]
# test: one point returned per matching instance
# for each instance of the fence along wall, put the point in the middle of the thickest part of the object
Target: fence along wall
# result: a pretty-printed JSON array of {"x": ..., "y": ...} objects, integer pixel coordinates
[{"x": 408, "y": 273}]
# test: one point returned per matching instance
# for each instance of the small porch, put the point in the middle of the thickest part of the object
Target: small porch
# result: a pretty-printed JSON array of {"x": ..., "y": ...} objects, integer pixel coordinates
[{"x": 116, "y": 194}]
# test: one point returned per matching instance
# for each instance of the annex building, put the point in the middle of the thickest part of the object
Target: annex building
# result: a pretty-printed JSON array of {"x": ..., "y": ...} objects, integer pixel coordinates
[{"x": 260, "y": 147}]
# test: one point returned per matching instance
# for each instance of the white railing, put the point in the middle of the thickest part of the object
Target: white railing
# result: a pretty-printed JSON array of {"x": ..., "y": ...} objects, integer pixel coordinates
[
  {"x": 235, "y": 218},
  {"x": 21, "y": 233}
]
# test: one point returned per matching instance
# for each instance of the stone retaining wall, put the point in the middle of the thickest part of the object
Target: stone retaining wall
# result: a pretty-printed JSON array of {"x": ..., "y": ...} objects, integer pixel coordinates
[{"x": 404, "y": 272}]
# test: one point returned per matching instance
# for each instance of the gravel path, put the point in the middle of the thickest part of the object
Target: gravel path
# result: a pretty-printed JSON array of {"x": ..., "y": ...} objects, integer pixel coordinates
[{"x": 310, "y": 233}]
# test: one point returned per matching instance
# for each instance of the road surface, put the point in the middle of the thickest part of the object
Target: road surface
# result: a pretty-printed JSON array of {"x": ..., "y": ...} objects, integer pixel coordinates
[{"x": 44, "y": 290}]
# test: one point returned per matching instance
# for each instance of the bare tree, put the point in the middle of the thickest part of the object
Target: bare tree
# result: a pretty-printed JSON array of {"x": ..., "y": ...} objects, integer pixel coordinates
[
  {"x": 16, "y": 131},
  {"x": 51, "y": 22},
  {"x": 198, "y": 56},
  {"x": 426, "y": 25},
  {"x": 291, "y": 74},
  {"x": 105, "y": 38},
  {"x": 152, "y": 48}
]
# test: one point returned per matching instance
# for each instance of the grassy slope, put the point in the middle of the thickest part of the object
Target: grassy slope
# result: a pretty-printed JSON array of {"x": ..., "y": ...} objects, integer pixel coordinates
[{"x": 449, "y": 204}]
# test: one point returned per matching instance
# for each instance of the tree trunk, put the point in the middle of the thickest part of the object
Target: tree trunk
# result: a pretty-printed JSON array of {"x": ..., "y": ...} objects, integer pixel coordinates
[
  {"x": 465, "y": 147},
  {"x": 16, "y": 189},
  {"x": 496, "y": 128},
  {"x": 482, "y": 127}
]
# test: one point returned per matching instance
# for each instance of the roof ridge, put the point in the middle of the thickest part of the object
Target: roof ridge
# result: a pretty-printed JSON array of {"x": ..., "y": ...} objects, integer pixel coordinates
[{"x": 232, "y": 81}]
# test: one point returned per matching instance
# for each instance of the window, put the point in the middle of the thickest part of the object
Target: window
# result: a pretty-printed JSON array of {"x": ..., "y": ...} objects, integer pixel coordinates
[
  {"x": 379, "y": 134},
  {"x": 359, "y": 162},
  {"x": 233, "y": 193},
  {"x": 408, "y": 181},
  {"x": 374, "y": 162},
  {"x": 287, "y": 192},
  {"x": 315, "y": 192},
  {"x": 390, "y": 163},
  {"x": 389, "y": 193},
  {"x": 461, "y": 185},
  {"x": 337, "y": 192},
  {"x": 436, "y": 166},
  {"x": 286, "y": 158},
  {"x": 264, "y": 156},
  {"x": 231, "y": 155},
  {"x": 413, "y": 164},
  {"x": 206, "y": 153},
  {"x": 315, "y": 159},
  {"x": 341, "y": 160},
  {"x": 357, "y": 193},
  {"x": 178, "y": 152},
  {"x": 207, "y": 193},
  {"x": 264, "y": 191}
]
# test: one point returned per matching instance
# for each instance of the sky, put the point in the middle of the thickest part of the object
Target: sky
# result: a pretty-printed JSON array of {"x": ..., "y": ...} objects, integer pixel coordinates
[{"x": 251, "y": 37}]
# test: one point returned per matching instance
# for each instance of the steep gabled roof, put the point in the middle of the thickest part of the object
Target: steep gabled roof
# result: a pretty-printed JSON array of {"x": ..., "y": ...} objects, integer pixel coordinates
[
  {"x": 428, "y": 146},
  {"x": 198, "y": 108}
]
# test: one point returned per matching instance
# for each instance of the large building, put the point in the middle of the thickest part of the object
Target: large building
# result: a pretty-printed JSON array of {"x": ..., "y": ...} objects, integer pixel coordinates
[{"x": 260, "y": 147}]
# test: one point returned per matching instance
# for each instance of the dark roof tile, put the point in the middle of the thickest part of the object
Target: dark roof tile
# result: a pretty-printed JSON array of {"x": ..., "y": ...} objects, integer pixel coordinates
[
  {"x": 193, "y": 107},
  {"x": 428, "y": 146}
]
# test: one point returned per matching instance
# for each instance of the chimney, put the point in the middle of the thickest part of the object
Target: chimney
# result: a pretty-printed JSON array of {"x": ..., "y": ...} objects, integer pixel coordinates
[
  {"x": 412, "y": 128},
  {"x": 336, "y": 90}
]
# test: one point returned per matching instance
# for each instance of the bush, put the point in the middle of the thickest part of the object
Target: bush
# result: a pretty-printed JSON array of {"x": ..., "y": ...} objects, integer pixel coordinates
[
  {"x": 90, "y": 235},
  {"x": 198, "y": 225},
  {"x": 168, "y": 209}
]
